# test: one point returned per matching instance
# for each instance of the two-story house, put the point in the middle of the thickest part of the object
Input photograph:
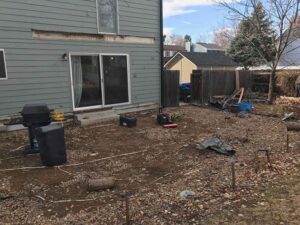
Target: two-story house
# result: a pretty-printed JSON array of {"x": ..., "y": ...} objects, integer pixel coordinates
[
  {"x": 79, "y": 54},
  {"x": 207, "y": 47}
]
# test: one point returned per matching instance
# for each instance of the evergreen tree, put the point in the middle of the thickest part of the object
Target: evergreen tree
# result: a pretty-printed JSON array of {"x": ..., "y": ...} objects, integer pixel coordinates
[
  {"x": 254, "y": 42},
  {"x": 188, "y": 38}
]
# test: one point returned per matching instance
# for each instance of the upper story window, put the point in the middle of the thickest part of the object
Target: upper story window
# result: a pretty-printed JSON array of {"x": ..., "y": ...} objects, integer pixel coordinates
[
  {"x": 3, "y": 73},
  {"x": 107, "y": 16}
]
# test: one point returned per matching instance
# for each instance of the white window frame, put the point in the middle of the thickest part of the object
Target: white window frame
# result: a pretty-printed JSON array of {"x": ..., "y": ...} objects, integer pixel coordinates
[
  {"x": 101, "y": 80},
  {"x": 5, "y": 68},
  {"x": 118, "y": 17}
]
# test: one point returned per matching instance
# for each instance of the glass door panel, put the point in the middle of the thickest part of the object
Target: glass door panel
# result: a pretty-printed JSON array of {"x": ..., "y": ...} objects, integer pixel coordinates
[
  {"x": 86, "y": 81},
  {"x": 115, "y": 75}
]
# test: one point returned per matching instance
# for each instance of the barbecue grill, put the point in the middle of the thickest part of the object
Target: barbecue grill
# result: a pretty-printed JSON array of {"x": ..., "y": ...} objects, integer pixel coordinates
[{"x": 35, "y": 116}]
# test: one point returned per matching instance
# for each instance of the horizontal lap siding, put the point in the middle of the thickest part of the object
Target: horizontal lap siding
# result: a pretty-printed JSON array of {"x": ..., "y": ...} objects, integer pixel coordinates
[
  {"x": 36, "y": 71},
  {"x": 140, "y": 18}
]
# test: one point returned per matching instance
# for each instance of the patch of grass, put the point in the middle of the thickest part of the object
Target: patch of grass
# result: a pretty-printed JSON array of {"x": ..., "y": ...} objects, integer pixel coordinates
[{"x": 270, "y": 109}]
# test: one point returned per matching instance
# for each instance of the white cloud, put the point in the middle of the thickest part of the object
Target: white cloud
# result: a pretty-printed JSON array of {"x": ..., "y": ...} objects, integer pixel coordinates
[
  {"x": 179, "y": 7},
  {"x": 168, "y": 32},
  {"x": 186, "y": 22}
]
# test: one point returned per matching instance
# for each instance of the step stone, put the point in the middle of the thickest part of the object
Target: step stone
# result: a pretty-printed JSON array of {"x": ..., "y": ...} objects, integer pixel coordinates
[
  {"x": 98, "y": 119},
  {"x": 136, "y": 108},
  {"x": 105, "y": 113},
  {"x": 86, "y": 119}
]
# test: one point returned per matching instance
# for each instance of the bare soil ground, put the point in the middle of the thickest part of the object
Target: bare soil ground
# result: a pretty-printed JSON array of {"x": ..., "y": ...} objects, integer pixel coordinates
[{"x": 168, "y": 163}]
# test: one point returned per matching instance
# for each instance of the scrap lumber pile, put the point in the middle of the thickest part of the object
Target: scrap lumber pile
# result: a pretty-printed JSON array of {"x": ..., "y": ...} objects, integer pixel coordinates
[
  {"x": 234, "y": 103},
  {"x": 283, "y": 100}
]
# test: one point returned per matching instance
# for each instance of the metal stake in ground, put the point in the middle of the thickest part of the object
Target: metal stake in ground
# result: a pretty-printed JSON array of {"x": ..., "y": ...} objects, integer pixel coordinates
[
  {"x": 267, "y": 151},
  {"x": 256, "y": 162},
  {"x": 233, "y": 180},
  {"x": 287, "y": 140},
  {"x": 126, "y": 196}
]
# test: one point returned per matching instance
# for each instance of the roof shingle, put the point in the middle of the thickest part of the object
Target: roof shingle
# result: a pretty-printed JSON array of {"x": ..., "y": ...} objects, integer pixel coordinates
[
  {"x": 176, "y": 48},
  {"x": 211, "y": 46},
  {"x": 209, "y": 59}
]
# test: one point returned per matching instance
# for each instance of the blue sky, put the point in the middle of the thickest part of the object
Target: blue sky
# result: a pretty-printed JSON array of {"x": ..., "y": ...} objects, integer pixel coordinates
[{"x": 198, "y": 18}]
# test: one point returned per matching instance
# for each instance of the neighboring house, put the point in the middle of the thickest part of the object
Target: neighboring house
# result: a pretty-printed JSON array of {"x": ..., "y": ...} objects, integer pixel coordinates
[
  {"x": 79, "y": 55},
  {"x": 291, "y": 56},
  {"x": 207, "y": 47},
  {"x": 171, "y": 50},
  {"x": 186, "y": 62}
]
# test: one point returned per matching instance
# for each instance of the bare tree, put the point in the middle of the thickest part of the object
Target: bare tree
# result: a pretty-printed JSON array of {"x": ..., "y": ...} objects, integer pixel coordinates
[
  {"x": 223, "y": 37},
  {"x": 283, "y": 14},
  {"x": 202, "y": 38},
  {"x": 176, "y": 39}
]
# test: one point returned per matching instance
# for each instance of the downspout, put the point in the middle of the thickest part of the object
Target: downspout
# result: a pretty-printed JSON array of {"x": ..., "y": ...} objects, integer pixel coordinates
[{"x": 161, "y": 52}]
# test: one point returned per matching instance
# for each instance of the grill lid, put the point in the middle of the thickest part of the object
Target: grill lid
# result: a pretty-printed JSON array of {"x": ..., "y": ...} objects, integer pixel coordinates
[{"x": 32, "y": 109}]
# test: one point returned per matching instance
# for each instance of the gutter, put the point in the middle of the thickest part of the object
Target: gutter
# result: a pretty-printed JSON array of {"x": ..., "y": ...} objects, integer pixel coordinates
[{"x": 161, "y": 51}]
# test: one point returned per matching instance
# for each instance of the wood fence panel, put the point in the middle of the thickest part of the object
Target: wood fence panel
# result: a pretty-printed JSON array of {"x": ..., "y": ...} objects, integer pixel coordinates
[
  {"x": 170, "y": 88},
  {"x": 206, "y": 84},
  {"x": 197, "y": 88}
]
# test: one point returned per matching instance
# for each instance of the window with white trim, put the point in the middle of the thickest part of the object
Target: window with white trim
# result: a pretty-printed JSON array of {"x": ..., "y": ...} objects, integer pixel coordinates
[
  {"x": 107, "y": 16},
  {"x": 3, "y": 73}
]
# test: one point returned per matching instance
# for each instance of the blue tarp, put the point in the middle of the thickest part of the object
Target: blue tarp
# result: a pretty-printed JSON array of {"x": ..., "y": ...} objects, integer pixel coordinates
[{"x": 185, "y": 86}]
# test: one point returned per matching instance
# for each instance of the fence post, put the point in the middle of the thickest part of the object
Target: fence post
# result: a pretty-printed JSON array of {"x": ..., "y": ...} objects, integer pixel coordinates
[{"x": 237, "y": 80}]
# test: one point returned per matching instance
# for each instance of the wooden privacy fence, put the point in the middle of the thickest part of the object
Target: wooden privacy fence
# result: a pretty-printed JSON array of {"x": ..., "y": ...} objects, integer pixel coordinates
[
  {"x": 170, "y": 88},
  {"x": 256, "y": 81},
  {"x": 206, "y": 84}
]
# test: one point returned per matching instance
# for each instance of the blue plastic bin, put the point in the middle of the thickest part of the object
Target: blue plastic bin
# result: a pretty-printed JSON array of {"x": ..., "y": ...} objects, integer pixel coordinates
[{"x": 245, "y": 106}]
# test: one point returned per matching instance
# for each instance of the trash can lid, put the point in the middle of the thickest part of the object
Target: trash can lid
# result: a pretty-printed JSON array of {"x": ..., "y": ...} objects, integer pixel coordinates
[
  {"x": 49, "y": 128},
  {"x": 35, "y": 109}
]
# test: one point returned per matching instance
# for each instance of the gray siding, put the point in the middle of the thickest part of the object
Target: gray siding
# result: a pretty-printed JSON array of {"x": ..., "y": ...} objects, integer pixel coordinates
[
  {"x": 36, "y": 72},
  {"x": 291, "y": 56}
]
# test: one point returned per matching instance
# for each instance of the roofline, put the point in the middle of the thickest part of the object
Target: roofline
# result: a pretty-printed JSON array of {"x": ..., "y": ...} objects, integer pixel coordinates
[
  {"x": 182, "y": 56},
  {"x": 211, "y": 48}
]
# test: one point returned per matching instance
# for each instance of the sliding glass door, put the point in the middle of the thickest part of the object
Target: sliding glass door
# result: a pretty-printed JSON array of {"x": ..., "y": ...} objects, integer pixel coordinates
[
  {"x": 115, "y": 75},
  {"x": 86, "y": 81},
  {"x": 99, "y": 80}
]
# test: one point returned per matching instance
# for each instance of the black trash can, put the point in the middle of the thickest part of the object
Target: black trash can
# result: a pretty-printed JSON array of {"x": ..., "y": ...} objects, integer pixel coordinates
[
  {"x": 35, "y": 116},
  {"x": 51, "y": 141}
]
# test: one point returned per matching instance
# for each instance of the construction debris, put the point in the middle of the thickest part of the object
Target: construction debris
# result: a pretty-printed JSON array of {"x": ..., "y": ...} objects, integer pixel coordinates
[
  {"x": 234, "y": 103},
  {"x": 217, "y": 145},
  {"x": 283, "y": 100},
  {"x": 288, "y": 116}
]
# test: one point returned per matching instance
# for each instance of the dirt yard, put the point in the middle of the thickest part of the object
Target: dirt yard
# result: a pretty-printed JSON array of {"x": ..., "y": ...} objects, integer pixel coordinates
[{"x": 163, "y": 163}]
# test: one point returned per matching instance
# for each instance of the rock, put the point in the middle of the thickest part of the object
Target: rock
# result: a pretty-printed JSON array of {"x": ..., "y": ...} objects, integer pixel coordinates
[
  {"x": 226, "y": 195},
  {"x": 185, "y": 194}
]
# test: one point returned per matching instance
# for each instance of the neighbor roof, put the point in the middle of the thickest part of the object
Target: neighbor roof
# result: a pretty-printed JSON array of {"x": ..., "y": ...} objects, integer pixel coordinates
[
  {"x": 176, "y": 48},
  {"x": 210, "y": 46},
  {"x": 209, "y": 59}
]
